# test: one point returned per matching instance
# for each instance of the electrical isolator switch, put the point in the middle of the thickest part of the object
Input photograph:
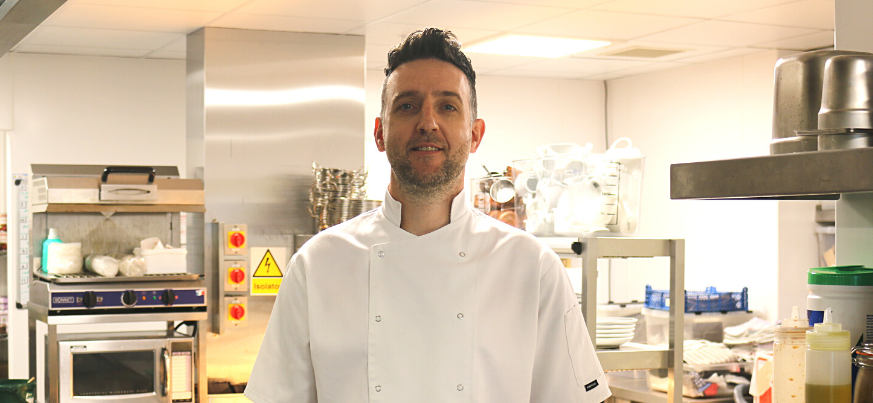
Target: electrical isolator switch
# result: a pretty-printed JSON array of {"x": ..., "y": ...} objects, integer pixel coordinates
[
  {"x": 236, "y": 276},
  {"x": 236, "y": 311},
  {"x": 235, "y": 240}
]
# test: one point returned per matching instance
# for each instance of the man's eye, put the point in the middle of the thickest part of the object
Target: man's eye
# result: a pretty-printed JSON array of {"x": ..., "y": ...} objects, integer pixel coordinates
[
  {"x": 449, "y": 107},
  {"x": 405, "y": 107}
]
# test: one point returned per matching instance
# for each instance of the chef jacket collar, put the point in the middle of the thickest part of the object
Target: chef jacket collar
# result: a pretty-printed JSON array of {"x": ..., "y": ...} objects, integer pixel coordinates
[{"x": 391, "y": 208}]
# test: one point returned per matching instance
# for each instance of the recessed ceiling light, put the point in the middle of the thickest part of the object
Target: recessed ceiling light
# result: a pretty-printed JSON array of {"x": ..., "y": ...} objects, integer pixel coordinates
[{"x": 536, "y": 46}]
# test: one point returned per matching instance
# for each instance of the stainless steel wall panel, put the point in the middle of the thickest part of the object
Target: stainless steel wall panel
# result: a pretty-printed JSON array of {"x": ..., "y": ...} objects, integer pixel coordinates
[{"x": 262, "y": 107}]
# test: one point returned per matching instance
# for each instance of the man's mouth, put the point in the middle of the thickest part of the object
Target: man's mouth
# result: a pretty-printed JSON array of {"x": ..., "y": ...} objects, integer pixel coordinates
[{"x": 428, "y": 148}]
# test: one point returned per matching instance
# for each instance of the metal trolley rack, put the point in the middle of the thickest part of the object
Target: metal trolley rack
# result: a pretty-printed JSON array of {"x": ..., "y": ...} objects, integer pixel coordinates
[{"x": 591, "y": 249}]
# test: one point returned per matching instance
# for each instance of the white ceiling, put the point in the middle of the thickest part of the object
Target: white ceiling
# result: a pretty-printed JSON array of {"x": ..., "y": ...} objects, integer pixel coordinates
[{"x": 705, "y": 30}]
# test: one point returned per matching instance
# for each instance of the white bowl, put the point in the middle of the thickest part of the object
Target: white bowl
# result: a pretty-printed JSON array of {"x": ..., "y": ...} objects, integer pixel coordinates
[
  {"x": 616, "y": 321},
  {"x": 612, "y": 341},
  {"x": 616, "y": 327},
  {"x": 615, "y": 331}
]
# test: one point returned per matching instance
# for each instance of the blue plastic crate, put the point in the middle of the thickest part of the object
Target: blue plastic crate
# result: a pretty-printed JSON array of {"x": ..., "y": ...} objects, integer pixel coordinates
[{"x": 701, "y": 301}]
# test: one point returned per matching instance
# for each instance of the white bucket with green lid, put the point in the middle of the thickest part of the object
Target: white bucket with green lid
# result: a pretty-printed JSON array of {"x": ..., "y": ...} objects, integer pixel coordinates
[{"x": 849, "y": 291}]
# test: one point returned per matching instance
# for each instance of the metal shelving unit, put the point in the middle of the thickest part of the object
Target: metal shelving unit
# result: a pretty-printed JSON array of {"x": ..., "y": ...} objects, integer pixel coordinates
[{"x": 591, "y": 249}]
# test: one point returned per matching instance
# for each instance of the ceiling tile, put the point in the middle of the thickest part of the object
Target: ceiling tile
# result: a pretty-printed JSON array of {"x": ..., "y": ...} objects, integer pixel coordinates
[
  {"x": 728, "y": 54},
  {"x": 575, "y": 67},
  {"x": 578, "y": 4},
  {"x": 729, "y": 34},
  {"x": 64, "y": 50},
  {"x": 99, "y": 38},
  {"x": 475, "y": 15},
  {"x": 129, "y": 18},
  {"x": 221, "y": 6},
  {"x": 357, "y": 10},
  {"x": 161, "y": 54},
  {"x": 808, "y": 42},
  {"x": 688, "y": 8},
  {"x": 688, "y": 50},
  {"x": 283, "y": 23},
  {"x": 179, "y": 45},
  {"x": 484, "y": 63},
  {"x": 605, "y": 25},
  {"x": 816, "y": 14},
  {"x": 661, "y": 66},
  {"x": 385, "y": 33}
]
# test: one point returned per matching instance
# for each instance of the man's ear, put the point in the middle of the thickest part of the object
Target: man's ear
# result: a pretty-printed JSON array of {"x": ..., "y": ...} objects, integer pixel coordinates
[
  {"x": 379, "y": 136},
  {"x": 477, "y": 133}
]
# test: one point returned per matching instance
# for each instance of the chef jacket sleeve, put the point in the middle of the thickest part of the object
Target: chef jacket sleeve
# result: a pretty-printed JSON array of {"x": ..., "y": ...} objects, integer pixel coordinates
[
  {"x": 566, "y": 369},
  {"x": 283, "y": 371}
]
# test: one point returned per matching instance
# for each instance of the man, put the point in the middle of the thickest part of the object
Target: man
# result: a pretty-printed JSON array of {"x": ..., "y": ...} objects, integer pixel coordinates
[{"x": 425, "y": 299}]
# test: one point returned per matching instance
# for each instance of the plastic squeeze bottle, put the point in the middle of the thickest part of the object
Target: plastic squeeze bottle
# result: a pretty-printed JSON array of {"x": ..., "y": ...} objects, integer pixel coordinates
[
  {"x": 52, "y": 238},
  {"x": 789, "y": 360},
  {"x": 828, "y": 363}
]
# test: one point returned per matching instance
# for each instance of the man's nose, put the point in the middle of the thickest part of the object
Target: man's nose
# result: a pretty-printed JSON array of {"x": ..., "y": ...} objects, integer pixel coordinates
[{"x": 427, "y": 119}]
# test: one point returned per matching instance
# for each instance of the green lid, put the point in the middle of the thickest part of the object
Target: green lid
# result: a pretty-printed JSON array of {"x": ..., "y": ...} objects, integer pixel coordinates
[{"x": 840, "y": 275}]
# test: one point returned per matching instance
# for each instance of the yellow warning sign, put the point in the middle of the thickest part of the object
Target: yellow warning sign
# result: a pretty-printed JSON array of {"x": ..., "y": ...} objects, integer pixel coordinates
[
  {"x": 267, "y": 267},
  {"x": 267, "y": 275}
]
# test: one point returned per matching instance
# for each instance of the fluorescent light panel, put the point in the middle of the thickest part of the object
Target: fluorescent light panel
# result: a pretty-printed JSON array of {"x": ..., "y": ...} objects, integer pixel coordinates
[{"x": 536, "y": 46}]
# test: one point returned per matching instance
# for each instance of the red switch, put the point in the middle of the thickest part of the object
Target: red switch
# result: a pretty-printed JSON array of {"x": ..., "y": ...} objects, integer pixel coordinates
[
  {"x": 237, "y": 312},
  {"x": 237, "y": 239},
  {"x": 237, "y": 276}
]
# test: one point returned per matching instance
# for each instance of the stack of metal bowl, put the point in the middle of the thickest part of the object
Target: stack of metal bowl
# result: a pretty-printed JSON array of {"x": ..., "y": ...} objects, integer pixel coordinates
[{"x": 338, "y": 195}]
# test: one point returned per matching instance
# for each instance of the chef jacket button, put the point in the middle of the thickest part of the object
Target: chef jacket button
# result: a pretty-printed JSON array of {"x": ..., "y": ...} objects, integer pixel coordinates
[
  {"x": 462, "y": 254},
  {"x": 378, "y": 318},
  {"x": 378, "y": 388},
  {"x": 460, "y": 387},
  {"x": 460, "y": 316},
  {"x": 381, "y": 254}
]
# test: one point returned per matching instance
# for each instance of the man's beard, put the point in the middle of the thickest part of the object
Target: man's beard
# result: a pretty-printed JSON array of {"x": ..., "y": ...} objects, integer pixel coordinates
[{"x": 423, "y": 186}]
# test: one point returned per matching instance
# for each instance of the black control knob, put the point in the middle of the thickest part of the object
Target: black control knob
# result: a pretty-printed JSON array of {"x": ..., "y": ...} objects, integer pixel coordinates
[
  {"x": 168, "y": 297},
  {"x": 128, "y": 298},
  {"x": 89, "y": 299}
]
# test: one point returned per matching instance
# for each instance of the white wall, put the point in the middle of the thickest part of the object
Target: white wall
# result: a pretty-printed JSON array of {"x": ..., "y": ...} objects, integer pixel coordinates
[
  {"x": 717, "y": 110},
  {"x": 87, "y": 110},
  {"x": 520, "y": 114}
]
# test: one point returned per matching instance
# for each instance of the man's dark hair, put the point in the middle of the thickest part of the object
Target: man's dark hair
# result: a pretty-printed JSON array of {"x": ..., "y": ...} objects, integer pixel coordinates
[{"x": 431, "y": 43}]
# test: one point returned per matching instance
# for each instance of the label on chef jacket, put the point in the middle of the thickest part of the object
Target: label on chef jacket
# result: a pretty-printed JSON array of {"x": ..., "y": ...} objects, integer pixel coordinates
[{"x": 267, "y": 275}]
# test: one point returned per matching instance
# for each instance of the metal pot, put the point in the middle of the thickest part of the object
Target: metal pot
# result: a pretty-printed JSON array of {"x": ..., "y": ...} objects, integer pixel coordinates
[{"x": 798, "y": 98}]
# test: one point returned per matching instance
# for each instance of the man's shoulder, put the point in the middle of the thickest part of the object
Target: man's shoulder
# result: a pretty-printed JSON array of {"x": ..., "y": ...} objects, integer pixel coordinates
[
  {"x": 505, "y": 233},
  {"x": 348, "y": 233}
]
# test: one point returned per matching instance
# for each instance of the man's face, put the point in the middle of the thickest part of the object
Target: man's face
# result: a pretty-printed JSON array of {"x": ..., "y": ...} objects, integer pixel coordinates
[{"x": 426, "y": 128}]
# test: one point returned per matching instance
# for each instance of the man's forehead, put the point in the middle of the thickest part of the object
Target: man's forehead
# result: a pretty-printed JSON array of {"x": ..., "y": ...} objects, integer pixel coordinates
[{"x": 427, "y": 76}]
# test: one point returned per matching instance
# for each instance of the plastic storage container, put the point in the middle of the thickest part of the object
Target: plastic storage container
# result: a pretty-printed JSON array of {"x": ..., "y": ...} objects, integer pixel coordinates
[
  {"x": 705, "y": 326},
  {"x": 849, "y": 291},
  {"x": 165, "y": 261},
  {"x": 503, "y": 207},
  {"x": 701, "y": 301}
]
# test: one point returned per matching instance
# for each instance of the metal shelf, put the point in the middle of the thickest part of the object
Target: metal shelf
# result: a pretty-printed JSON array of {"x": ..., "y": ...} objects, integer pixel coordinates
[
  {"x": 636, "y": 390},
  {"x": 591, "y": 249}
]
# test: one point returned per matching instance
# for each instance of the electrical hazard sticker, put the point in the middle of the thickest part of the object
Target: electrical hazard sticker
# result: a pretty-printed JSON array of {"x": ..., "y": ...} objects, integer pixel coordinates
[{"x": 267, "y": 275}]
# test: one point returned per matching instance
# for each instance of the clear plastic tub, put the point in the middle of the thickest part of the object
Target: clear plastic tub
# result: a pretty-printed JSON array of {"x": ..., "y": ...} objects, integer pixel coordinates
[
  {"x": 704, "y": 326},
  {"x": 695, "y": 378}
]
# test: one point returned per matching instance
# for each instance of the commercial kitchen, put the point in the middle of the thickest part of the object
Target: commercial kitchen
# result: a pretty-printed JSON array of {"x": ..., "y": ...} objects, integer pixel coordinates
[{"x": 189, "y": 90}]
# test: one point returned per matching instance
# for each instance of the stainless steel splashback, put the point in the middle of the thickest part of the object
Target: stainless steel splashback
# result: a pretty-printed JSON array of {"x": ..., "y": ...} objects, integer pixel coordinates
[{"x": 262, "y": 107}]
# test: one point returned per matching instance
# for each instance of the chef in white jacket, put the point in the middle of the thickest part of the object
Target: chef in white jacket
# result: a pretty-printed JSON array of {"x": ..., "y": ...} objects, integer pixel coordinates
[{"x": 425, "y": 299}]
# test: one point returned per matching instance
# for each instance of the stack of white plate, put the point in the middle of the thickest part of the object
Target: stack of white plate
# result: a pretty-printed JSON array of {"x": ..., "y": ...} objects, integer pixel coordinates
[{"x": 614, "y": 331}]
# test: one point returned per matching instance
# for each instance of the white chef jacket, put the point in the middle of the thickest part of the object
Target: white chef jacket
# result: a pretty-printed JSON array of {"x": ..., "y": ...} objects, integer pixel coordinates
[{"x": 476, "y": 311}]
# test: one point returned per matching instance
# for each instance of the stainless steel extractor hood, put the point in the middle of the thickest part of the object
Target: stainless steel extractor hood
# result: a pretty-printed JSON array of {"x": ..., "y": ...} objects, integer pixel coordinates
[
  {"x": 821, "y": 175},
  {"x": 19, "y": 17}
]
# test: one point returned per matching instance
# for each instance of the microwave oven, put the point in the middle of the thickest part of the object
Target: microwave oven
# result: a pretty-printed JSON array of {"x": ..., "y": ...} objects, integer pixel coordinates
[{"x": 130, "y": 367}]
